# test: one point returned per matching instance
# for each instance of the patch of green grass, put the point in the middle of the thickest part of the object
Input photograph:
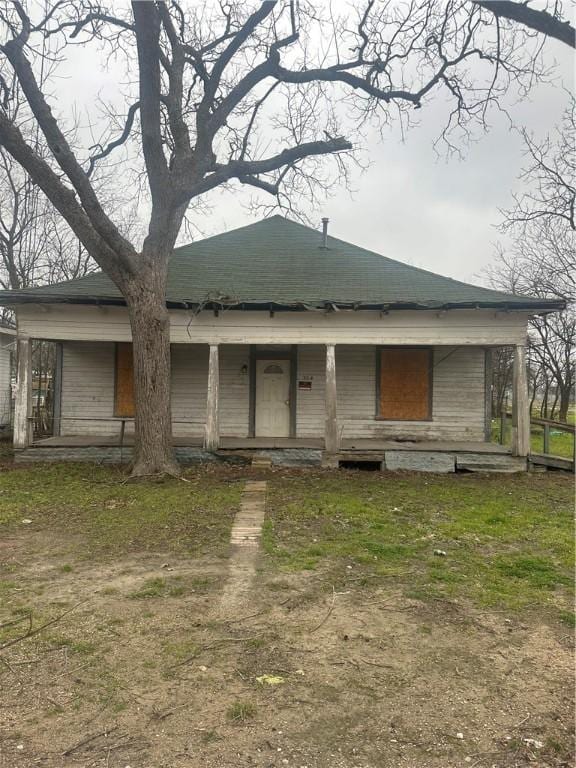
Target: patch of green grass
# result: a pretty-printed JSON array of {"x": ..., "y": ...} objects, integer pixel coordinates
[
  {"x": 568, "y": 618},
  {"x": 536, "y": 571},
  {"x": 181, "y": 650},
  {"x": 208, "y": 737},
  {"x": 257, "y": 642},
  {"x": 93, "y": 511},
  {"x": 81, "y": 647},
  {"x": 561, "y": 443},
  {"x": 201, "y": 584},
  {"x": 150, "y": 588},
  {"x": 509, "y": 539},
  {"x": 66, "y": 568},
  {"x": 158, "y": 587},
  {"x": 241, "y": 711}
]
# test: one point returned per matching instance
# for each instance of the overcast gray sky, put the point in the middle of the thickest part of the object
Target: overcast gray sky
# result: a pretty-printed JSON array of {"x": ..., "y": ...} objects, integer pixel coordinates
[{"x": 412, "y": 204}]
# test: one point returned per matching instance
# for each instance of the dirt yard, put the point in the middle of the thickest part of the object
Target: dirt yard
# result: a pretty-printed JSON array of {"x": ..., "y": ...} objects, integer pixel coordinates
[{"x": 372, "y": 651}]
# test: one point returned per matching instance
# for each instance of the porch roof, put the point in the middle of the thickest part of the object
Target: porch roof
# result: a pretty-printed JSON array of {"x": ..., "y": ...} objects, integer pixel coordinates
[{"x": 277, "y": 263}]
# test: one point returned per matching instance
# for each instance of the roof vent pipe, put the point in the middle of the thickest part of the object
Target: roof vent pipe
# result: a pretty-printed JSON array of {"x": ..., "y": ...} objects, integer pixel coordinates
[{"x": 325, "y": 232}]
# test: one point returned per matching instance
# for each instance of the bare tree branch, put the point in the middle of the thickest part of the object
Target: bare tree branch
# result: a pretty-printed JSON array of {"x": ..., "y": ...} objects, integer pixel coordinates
[
  {"x": 61, "y": 150},
  {"x": 250, "y": 169},
  {"x": 112, "y": 145},
  {"x": 63, "y": 198},
  {"x": 147, "y": 26},
  {"x": 538, "y": 20}
]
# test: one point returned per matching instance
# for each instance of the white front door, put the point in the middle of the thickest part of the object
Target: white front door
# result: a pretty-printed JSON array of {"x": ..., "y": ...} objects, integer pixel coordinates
[{"x": 272, "y": 398}]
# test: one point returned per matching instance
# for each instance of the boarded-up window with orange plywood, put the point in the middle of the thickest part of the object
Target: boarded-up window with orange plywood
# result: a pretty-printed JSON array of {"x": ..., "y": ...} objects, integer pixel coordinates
[
  {"x": 124, "y": 391},
  {"x": 405, "y": 384}
]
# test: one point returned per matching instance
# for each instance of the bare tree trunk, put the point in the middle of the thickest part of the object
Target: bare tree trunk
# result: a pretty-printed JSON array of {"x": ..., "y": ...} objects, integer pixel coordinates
[
  {"x": 544, "y": 404},
  {"x": 150, "y": 323},
  {"x": 534, "y": 391},
  {"x": 554, "y": 404},
  {"x": 564, "y": 403}
]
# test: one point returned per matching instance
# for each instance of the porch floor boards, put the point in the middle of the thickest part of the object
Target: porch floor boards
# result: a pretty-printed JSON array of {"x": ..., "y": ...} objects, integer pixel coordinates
[{"x": 262, "y": 443}]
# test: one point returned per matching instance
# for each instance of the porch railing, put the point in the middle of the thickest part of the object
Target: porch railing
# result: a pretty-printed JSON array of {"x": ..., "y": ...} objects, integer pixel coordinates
[{"x": 549, "y": 439}]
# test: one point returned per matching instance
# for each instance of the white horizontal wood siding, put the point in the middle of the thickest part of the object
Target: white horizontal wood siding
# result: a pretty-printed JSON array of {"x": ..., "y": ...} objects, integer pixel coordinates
[
  {"x": 7, "y": 344},
  {"x": 457, "y": 396},
  {"x": 87, "y": 402},
  {"x": 310, "y": 412},
  {"x": 234, "y": 390},
  {"x": 455, "y": 327},
  {"x": 189, "y": 389},
  {"x": 458, "y": 392},
  {"x": 88, "y": 390}
]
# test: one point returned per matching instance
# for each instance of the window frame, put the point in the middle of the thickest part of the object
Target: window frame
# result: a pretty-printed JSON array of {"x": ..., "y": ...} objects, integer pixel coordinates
[{"x": 381, "y": 348}]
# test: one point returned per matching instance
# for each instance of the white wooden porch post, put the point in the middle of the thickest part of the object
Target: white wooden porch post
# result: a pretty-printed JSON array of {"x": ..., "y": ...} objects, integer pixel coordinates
[
  {"x": 212, "y": 434},
  {"x": 520, "y": 404},
  {"x": 331, "y": 436},
  {"x": 23, "y": 403}
]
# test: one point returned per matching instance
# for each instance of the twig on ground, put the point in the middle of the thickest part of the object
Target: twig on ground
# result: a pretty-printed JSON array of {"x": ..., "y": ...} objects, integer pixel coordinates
[
  {"x": 31, "y": 632},
  {"x": 211, "y": 646},
  {"x": 23, "y": 663},
  {"x": 8, "y": 666},
  {"x": 528, "y": 716},
  {"x": 325, "y": 619},
  {"x": 88, "y": 740},
  {"x": 258, "y": 613},
  {"x": 162, "y": 715},
  {"x": 244, "y": 618},
  {"x": 70, "y": 671},
  {"x": 377, "y": 664},
  {"x": 19, "y": 620}
]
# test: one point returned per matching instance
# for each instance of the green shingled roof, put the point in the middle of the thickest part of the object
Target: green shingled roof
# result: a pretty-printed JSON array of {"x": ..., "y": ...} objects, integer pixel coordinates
[{"x": 280, "y": 263}]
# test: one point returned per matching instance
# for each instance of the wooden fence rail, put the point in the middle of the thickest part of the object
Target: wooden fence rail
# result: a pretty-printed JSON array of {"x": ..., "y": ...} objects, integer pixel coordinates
[{"x": 547, "y": 425}]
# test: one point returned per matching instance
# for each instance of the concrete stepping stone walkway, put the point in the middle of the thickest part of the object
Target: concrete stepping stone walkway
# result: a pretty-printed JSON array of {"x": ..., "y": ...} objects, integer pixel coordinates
[{"x": 245, "y": 543}]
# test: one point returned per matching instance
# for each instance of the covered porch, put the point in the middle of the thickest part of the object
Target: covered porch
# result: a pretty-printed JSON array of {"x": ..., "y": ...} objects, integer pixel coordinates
[{"x": 402, "y": 407}]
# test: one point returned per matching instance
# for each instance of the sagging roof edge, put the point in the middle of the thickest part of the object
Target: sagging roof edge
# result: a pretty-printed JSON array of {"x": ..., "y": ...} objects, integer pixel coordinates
[{"x": 532, "y": 305}]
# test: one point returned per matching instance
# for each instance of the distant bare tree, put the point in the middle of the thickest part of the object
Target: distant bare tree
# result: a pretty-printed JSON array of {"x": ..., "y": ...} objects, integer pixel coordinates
[
  {"x": 251, "y": 93},
  {"x": 541, "y": 260},
  {"x": 36, "y": 244},
  {"x": 502, "y": 359},
  {"x": 542, "y": 222},
  {"x": 553, "y": 345},
  {"x": 19, "y": 225}
]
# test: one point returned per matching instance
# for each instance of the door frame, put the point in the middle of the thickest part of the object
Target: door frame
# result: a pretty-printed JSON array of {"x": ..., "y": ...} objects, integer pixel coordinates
[{"x": 259, "y": 354}]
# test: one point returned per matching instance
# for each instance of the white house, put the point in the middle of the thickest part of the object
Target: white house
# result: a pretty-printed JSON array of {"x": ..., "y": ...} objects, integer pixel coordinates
[{"x": 309, "y": 343}]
